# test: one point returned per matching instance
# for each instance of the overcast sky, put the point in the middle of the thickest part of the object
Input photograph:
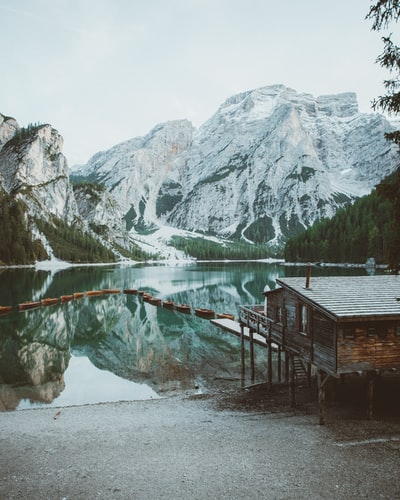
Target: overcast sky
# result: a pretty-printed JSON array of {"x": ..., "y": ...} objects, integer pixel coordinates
[{"x": 103, "y": 71}]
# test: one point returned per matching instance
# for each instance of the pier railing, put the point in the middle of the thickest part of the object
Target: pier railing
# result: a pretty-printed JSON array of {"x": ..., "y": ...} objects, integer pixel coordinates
[{"x": 254, "y": 318}]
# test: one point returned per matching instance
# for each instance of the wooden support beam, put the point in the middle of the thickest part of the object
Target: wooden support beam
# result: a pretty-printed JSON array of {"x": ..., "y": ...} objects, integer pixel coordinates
[
  {"x": 309, "y": 374},
  {"x": 243, "y": 362},
  {"x": 322, "y": 378},
  {"x": 269, "y": 367},
  {"x": 286, "y": 367},
  {"x": 292, "y": 385},
  {"x": 252, "y": 371},
  {"x": 279, "y": 365},
  {"x": 370, "y": 394}
]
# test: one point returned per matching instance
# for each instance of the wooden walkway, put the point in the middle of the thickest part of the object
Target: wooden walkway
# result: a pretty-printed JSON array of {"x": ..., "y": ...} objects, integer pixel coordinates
[{"x": 248, "y": 334}]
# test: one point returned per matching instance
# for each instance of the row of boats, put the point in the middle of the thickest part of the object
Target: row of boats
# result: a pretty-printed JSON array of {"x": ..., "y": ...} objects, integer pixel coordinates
[
  {"x": 147, "y": 297},
  {"x": 182, "y": 308}
]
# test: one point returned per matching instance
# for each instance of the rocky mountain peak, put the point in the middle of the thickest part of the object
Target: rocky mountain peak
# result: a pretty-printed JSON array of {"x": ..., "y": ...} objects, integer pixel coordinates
[{"x": 8, "y": 127}]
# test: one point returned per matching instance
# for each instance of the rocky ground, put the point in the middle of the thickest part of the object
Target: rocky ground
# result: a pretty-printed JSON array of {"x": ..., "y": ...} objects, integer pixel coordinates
[{"x": 231, "y": 444}]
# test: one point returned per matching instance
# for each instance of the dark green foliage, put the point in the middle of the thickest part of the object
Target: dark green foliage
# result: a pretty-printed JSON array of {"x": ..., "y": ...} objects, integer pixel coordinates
[
  {"x": 129, "y": 218},
  {"x": 23, "y": 133},
  {"x": 382, "y": 14},
  {"x": 303, "y": 176},
  {"x": 203, "y": 249},
  {"x": 352, "y": 235},
  {"x": 17, "y": 245},
  {"x": 261, "y": 230},
  {"x": 93, "y": 189},
  {"x": 135, "y": 253},
  {"x": 166, "y": 203},
  {"x": 73, "y": 245}
]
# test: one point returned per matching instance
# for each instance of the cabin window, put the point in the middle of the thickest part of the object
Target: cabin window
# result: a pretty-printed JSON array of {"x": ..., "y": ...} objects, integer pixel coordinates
[
  {"x": 398, "y": 330},
  {"x": 382, "y": 332},
  {"x": 371, "y": 331},
  {"x": 349, "y": 333},
  {"x": 279, "y": 314},
  {"x": 303, "y": 319}
]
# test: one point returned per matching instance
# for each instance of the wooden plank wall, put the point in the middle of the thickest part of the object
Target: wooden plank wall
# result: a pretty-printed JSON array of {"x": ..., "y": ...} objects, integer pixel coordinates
[
  {"x": 324, "y": 342},
  {"x": 368, "y": 351}
]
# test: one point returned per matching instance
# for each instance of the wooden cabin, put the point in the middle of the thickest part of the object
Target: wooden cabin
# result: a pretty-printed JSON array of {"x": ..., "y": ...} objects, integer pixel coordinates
[{"x": 339, "y": 325}]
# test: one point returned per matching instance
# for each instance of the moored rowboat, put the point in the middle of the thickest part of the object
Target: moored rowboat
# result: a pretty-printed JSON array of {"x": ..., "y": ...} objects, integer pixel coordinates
[
  {"x": 205, "y": 313},
  {"x": 168, "y": 304},
  {"x": 28, "y": 305},
  {"x": 226, "y": 316},
  {"x": 78, "y": 295},
  {"x": 49, "y": 301},
  {"x": 155, "y": 301},
  {"x": 5, "y": 309},
  {"x": 110, "y": 290},
  {"x": 147, "y": 296},
  {"x": 183, "y": 308},
  {"x": 94, "y": 293},
  {"x": 66, "y": 298},
  {"x": 130, "y": 291}
]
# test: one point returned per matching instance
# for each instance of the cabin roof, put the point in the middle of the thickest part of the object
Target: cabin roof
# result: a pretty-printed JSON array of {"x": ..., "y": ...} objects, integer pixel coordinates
[{"x": 341, "y": 297}]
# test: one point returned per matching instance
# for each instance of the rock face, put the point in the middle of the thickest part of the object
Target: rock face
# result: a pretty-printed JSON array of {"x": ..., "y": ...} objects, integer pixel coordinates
[
  {"x": 98, "y": 207},
  {"x": 268, "y": 163},
  {"x": 34, "y": 170},
  {"x": 272, "y": 161},
  {"x": 135, "y": 170},
  {"x": 8, "y": 127}
]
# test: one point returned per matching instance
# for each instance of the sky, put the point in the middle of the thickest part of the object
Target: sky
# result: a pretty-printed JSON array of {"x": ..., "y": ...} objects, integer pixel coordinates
[{"x": 104, "y": 71}]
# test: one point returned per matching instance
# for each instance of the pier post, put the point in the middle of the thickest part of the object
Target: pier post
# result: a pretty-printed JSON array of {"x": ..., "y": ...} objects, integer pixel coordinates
[
  {"x": 292, "y": 395},
  {"x": 322, "y": 378},
  {"x": 269, "y": 358},
  {"x": 251, "y": 355},
  {"x": 242, "y": 351},
  {"x": 279, "y": 364},
  {"x": 309, "y": 374},
  {"x": 286, "y": 367},
  {"x": 370, "y": 394}
]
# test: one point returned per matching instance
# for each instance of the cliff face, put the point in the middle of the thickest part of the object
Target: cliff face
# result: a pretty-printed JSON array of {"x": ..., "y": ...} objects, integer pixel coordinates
[
  {"x": 135, "y": 170},
  {"x": 33, "y": 169},
  {"x": 271, "y": 161},
  {"x": 268, "y": 163}
]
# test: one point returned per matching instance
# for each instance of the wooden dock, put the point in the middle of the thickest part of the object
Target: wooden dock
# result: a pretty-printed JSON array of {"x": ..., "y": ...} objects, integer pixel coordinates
[{"x": 246, "y": 333}]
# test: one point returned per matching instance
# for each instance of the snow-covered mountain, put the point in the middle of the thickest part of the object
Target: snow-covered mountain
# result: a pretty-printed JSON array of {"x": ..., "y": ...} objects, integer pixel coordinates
[{"x": 269, "y": 162}]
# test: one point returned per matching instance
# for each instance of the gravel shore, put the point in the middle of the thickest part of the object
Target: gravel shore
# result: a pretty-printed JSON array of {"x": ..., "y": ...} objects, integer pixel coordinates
[{"x": 198, "y": 447}]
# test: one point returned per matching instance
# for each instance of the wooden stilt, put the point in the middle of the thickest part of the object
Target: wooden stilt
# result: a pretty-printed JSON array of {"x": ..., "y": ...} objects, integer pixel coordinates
[
  {"x": 370, "y": 394},
  {"x": 269, "y": 358},
  {"x": 309, "y": 374},
  {"x": 292, "y": 395},
  {"x": 269, "y": 368},
  {"x": 252, "y": 356},
  {"x": 242, "y": 351},
  {"x": 286, "y": 367},
  {"x": 279, "y": 365},
  {"x": 322, "y": 378}
]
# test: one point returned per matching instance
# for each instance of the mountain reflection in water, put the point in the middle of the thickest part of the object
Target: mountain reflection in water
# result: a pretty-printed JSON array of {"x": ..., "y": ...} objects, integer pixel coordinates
[{"x": 136, "y": 350}]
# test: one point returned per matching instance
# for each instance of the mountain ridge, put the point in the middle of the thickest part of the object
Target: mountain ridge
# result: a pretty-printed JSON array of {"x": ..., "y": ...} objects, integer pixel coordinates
[{"x": 267, "y": 164}]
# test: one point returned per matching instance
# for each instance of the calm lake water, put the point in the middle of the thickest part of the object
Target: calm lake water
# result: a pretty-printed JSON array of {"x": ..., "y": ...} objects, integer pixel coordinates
[{"x": 118, "y": 347}]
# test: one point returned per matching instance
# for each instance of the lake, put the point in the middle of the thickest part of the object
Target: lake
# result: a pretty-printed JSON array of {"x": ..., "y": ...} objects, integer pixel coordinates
[{"x": 119, "y": 347}]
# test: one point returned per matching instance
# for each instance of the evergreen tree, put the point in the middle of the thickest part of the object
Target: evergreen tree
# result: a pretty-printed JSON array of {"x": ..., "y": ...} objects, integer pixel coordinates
[{"x": 383, "y": 13}]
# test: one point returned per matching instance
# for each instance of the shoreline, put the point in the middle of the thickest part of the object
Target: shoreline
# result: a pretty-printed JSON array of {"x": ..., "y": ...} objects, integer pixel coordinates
[{"x": 194, "y": 447}]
